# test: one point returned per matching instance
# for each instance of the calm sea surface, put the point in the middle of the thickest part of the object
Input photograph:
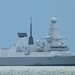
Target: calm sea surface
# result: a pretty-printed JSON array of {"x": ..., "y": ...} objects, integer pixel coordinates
[{"x": 37, "y": 70}]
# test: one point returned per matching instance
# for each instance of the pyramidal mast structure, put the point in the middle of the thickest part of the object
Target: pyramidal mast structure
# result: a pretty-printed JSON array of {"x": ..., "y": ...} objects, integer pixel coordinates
[
  {"x": 54, "y": 33},
  {"x": 31, "y": 37}
]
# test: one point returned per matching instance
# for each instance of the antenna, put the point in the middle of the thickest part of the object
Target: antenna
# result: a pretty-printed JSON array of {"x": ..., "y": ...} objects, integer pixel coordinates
[
  {"x": 10, "y": 41},
  {"x": 30, "y": 26}
]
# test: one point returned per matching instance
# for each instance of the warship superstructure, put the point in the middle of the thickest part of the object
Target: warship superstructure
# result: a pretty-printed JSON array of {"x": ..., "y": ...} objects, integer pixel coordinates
[{"x": 50, "y": 53}]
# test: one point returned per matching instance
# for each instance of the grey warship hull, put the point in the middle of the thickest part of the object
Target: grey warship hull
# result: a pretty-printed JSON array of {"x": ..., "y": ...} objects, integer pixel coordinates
[
  {"x": 53, "y": 52},
  {"x": 38, "y": 61}
]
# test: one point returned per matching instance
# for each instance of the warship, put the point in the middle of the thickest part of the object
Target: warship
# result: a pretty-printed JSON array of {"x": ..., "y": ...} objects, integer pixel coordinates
[{"x": 50, "y": 53}]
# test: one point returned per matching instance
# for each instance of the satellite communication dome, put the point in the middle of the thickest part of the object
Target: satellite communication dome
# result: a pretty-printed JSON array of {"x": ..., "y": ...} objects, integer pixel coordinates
[{"x": 53, "y": 20}]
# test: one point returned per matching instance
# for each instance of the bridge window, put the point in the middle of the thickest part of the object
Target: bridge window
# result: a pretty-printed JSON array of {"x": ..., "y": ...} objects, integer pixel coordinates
[{"x": 59, "y": 47}]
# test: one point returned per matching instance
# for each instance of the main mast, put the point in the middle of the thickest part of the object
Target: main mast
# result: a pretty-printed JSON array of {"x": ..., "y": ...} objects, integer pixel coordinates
[{"x": 31, "y": 37}]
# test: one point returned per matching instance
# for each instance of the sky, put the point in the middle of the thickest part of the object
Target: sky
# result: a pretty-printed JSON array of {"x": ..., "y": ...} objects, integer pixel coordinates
[{"x": 15, "y": 17}]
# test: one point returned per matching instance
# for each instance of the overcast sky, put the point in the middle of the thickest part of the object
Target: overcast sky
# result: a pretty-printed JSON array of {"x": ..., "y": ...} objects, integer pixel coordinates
[{"x": 15, "y": 17}]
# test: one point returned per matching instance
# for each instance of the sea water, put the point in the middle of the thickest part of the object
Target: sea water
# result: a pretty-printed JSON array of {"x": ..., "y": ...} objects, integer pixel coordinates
[{"x": 37, "y": 70}]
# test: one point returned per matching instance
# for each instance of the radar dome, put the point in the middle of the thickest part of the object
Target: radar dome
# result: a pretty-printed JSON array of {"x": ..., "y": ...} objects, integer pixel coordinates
[{"x": 53, "y": 20}]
